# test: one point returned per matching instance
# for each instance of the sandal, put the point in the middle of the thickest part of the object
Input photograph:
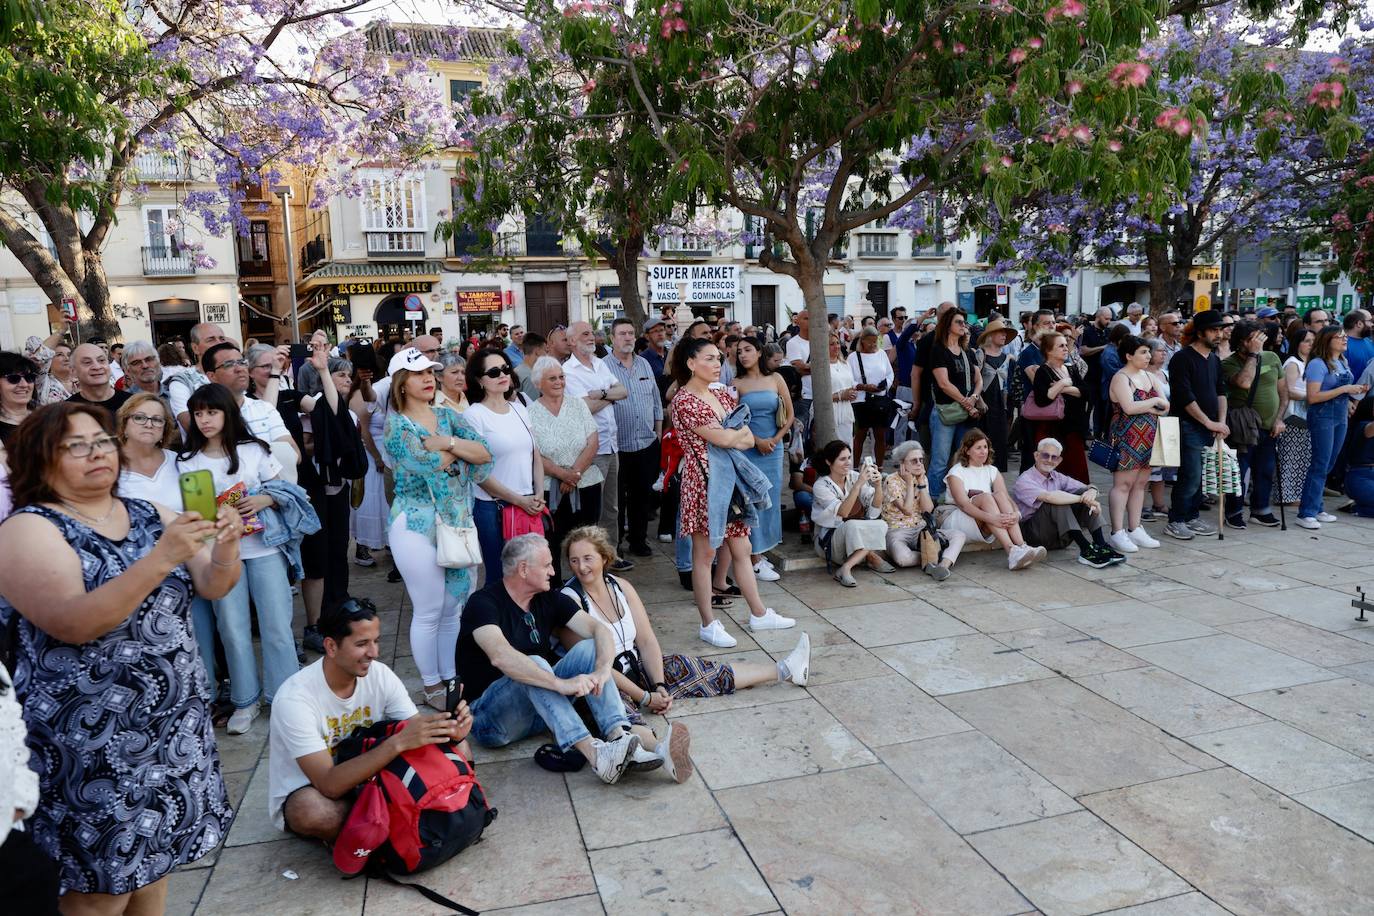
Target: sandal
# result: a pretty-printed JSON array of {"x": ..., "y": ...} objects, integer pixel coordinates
[
  {"x": 720, "y": 601},
  {"x": 730, "y": 590},
  {"x": 435, "y": 697},
  {"x": 555, "y": 761},
  {"x": 220, "y": 712}
]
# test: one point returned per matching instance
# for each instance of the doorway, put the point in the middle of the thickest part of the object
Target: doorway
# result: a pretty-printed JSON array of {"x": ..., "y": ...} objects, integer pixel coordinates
[
  {"x": 392, "y": 318},
  {"x": 173, "y": 318},
  {"x": 984, "y": 301},
  {"x": 1055, "y": 297},
  {"x": 546, "y": 306}
]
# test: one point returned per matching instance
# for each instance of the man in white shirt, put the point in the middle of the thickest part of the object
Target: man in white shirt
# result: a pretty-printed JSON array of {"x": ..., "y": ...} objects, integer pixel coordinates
[
  {"x": 186, "y": 380},
  {"x": 224, "y": 364},
  {"x": 320, "y": 705},
  {"x": 799, "y": 355},
  {"x": 592, "y": 380},
  {"x": 1134, "y": 314}
]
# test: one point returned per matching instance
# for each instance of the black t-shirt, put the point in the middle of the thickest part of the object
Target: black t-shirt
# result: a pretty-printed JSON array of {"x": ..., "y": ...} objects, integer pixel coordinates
[
  {"x": 112, "y": 403},
  {"x": 923, "y": 352},
  {"x": 954, "y": 364},
  {"x": 1195, "y": 378},
  {"x": 492, "y": 606},
  {"x": 1093, "y": 336},
  {"x": 1075, "y": 409}
]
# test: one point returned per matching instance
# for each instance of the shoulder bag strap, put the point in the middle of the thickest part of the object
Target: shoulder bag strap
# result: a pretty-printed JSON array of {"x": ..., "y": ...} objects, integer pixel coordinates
[{"x": 1254, "y": 382}]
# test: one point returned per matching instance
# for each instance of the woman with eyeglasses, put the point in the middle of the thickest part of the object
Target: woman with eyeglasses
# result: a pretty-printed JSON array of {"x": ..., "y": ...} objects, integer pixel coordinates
[
  {"x": 439, "y": 455},
  {"x": 240, "y": 464},
  {"x": 145, "y": 429},
  {"x": 906, "y": 504},
  {"x": 957, "y": 384},
  {"x": 1055, "y": 379},
  {"x": 1330, "y": 390},
  {"x": 18, "y": 392},
  {"x": 566, "y": 435},
  {"x": 499, "y": 414},
  {"x": 117, "y": 705},
  {"x": 453, "y": 379}
]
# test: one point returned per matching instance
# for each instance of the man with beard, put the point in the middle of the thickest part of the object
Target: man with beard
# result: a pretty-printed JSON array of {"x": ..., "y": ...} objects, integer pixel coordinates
[{"x": 1198, "y": 398}]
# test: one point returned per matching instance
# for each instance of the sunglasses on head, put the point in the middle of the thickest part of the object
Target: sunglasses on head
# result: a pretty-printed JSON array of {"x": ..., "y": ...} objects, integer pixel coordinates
[
  {"x": 14, "y": 378},
  {"x": 496, "y": 372}
]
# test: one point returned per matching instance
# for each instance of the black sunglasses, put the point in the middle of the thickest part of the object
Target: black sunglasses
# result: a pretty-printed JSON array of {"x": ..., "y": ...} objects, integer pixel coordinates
[
  {"x": 496, "y": 372},
  {"x": 534, "y": 630},
  {"x": 14, "y": 378}
]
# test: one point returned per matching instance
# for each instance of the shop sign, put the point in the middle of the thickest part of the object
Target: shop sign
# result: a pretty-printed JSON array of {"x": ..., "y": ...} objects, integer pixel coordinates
[
  {"x": 705, "y": 282},
  {"x": 1003, "y": 295},
  {"x": 1309, "y": 279},
  {"x": 1347, "y": 303},
  {"x": 361, "y": 331},
  {"x": 395, "y": 286},
  {"x": 1309, "y": 302},
  {"x": 472, "y": 301},
  {"x": 1206, "y": 273},
  {"x": 1202, "y": 303},
  {"x": 216, "y": 313}
]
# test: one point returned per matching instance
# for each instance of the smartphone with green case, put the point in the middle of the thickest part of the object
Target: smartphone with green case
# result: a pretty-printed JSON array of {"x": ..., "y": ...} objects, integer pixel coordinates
[{"x": 198, "y": 494}]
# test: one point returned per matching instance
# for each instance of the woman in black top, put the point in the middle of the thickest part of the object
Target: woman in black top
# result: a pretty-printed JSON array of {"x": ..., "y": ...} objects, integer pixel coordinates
[
  {"x": 18, "y": 392},
  {"x": 955, "y": 386},
  {"x": 994, "y": 366},
  {"x": 1057, "y": 377}
]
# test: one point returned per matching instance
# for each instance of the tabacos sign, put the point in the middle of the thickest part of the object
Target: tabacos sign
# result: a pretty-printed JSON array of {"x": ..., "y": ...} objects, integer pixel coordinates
[{"x": 703, "y": 282}]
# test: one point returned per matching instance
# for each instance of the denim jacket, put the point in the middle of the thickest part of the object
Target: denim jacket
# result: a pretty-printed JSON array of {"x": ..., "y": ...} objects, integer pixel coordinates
[
  {"x": 287, "y": 523},
  {"x": 731, "y": 469}
]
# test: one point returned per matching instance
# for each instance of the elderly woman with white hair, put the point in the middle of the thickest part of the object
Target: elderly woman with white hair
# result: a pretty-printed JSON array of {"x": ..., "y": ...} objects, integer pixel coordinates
[
  {"x": 566, "y": 435},
  {"x": 452, "y": 381},
  {"x": 906, "y": 506}
]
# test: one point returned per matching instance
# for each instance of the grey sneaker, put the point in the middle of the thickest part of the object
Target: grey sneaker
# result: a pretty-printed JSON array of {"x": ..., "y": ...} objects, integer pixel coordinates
[
  {"x": 612, "y": 757},
  {"x": 673, "y": 749},
  {"x": 312, "y": 640},
  {"x": 1198, "y": 526},
  {"x": 937, "y": 572},
  {"x": 1179, "y": 530}
]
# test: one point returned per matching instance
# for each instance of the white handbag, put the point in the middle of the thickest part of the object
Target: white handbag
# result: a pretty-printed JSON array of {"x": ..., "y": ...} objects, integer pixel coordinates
[{"x": 456, "y": 548}]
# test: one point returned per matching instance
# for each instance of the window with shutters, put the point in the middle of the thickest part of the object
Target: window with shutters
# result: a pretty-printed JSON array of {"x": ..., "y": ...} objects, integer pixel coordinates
[{"x": 393, "y": 213}]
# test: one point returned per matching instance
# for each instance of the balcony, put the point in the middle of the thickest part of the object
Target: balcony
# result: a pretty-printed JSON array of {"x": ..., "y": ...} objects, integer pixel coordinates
[
  {"x": 543, "y": 243},
  {"x": 167, "y": 261},
  {"x": 312, "y": 253},
  {"x": 685, "y": 245},
  {"x": 877, "y": 245},
  {"x": 935, "y": 249},
  {"x": 400, "y": 243},
  {"x": 255, "y": 269},
  {"x": 467, "y": 244},
  {"x": 159, "y": 166}
]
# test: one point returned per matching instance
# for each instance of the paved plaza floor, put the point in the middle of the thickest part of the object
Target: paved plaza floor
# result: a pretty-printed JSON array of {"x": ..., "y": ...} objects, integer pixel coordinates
[{"x": 1191, "y": 733}]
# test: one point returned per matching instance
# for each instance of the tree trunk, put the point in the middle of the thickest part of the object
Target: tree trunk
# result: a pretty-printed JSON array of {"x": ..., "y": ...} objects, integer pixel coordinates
[
  {"x": 811, "y": 278},
  {"x": 1161, "y": 275},
  {"x": 623, "y": 258},
  {"x": 96, "y": 293}
]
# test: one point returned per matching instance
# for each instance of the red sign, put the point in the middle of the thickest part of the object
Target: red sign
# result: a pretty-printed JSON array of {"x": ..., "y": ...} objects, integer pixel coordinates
[
  {"x": 69, "y": 308},
  {"x": 479, "y": 300}
]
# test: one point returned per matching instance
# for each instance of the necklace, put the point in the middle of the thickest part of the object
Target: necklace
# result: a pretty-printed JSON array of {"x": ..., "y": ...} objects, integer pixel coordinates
[{"x": 90, "y": 518}]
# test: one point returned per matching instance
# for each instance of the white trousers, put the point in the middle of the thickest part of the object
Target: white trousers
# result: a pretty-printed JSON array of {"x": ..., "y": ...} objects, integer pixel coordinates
[{"x": 434, "y": 613}]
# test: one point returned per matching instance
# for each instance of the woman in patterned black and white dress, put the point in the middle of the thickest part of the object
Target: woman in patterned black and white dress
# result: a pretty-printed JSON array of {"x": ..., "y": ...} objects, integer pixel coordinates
[{"x": 115, "y": 697}]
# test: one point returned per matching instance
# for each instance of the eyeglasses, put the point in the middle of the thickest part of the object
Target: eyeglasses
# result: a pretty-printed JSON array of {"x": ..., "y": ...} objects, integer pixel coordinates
[
  {"x": 239, "y": 363},
  {"x": 534, "y": 630},
  {"x": 14, "y": 378},
  {"x": 431, "y": 352},
  {"x": 142, "y": 419},
  {"x": 1048, "y": 457},
  {"x": 85, "y": 447},
  {"x": 496, "y": 372}
]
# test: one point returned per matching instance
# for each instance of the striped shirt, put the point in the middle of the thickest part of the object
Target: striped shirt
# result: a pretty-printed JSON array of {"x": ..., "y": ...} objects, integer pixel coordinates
[{"x": 637, "y": 413}]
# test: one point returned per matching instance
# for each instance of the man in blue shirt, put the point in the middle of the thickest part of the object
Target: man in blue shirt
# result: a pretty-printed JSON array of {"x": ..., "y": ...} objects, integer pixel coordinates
[
  {"x": 639, "y": 424},
  {"x": 1359, "y": 347},
  {"x": 514, "y": 351}
]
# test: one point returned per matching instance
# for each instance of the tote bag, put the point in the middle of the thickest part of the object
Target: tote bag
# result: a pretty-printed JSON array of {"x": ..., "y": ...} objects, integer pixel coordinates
[{"x": 1168, "y": 443}]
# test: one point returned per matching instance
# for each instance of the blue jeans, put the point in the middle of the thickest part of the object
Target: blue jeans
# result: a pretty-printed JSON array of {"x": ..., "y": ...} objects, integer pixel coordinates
[
  {"x": 803, "y": 501},
  {"x": 486, "y": 518},
  {"x": 943, "y": 440},
  {"x": 1359, "y": 486},
  {"x": 508, "y": 710},
  {"x": 203, "y": 624},
  {"x": 1258, "y": 459},
  {"x": 1327, "y": 428},
  {"x": 265, "y": 580},
  {"x": 1186, "y": 503},
  {"x": 682, "y": 552}
]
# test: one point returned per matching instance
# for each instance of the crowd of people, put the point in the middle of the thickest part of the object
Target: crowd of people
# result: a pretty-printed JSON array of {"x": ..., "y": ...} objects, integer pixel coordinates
[{"x": 512, "y": 481}]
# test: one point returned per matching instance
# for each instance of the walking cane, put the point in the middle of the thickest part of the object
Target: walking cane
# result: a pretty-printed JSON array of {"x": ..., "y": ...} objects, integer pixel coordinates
[
  {"x": 1278, "y": 475},
  {"x": 1221, "y": 493}
]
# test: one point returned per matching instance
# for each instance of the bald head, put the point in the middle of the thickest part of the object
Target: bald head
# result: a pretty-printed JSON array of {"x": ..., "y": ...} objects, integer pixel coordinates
[
  {"x": 428, "y": 345},
  {"x": 943, "y": 307},
  {"x": 204, "y": 336},
  {"x": 91, "y": 365}
]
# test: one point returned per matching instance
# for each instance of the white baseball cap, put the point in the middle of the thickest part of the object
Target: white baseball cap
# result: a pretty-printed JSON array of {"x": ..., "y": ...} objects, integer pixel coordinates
[{"x": 411, "y": 359}]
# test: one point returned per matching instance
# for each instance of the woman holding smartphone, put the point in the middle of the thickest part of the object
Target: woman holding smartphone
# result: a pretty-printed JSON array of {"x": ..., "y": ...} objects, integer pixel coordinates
[{"x": 219, "y": 442}]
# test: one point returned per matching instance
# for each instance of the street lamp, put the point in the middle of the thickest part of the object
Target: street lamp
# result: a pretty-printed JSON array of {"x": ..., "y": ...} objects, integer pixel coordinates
[{"x": 284, "y": 193}]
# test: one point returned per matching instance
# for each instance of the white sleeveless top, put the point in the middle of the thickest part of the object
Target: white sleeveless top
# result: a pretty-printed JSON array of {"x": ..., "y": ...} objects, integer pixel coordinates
[{"x": 623, "y": 630}]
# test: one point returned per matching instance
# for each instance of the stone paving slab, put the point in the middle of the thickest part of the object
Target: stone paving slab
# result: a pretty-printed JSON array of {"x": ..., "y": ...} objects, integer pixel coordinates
[{"x": 945, "y": 725}]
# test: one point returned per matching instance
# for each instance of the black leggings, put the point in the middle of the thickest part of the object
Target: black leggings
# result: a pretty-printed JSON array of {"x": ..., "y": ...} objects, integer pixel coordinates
[{"x": 324, "y": 554}]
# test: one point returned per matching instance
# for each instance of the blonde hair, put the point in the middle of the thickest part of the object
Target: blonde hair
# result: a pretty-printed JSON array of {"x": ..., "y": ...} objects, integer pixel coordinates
[
  {"x": 594, "y": 535},
  {"x": 126, "y": 410}
]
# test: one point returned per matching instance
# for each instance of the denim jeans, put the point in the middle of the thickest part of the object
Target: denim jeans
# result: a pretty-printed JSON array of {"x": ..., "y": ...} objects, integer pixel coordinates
[
  {"x": 486, "y": 518},
  {"x": 943, "y": 440},
  {"x": 682, "y": 553},
  {"x": 803, "y": 501},
  {"x": 265, "y": 580},
  {"x": 1359, "y": 486},
  {"x": 508, "y": 710},
  {"x": 203, "y": 624},
  {"x": 1258, "y": 459},
  {"x": 1187, "y": 496},
  {"x": 1327, "y": 428}
]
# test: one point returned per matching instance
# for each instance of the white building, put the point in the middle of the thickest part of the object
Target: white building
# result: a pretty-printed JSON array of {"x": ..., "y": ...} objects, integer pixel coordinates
[{"x": 158, "y": 288}]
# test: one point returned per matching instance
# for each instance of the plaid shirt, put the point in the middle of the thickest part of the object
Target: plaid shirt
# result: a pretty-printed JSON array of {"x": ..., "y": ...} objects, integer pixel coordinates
[{"x": 636, "y": 414}]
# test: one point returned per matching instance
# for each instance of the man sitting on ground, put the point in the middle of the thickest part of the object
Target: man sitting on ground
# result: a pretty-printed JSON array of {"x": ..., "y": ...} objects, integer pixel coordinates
[
  {"x": 320, "y": 705},
  {"x": 516, "y": 684},
  {"x": 1055, "y": 509}
]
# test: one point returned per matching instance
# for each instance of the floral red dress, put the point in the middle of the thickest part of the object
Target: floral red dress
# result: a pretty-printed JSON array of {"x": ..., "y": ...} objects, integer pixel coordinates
[{"x": 689, "y": 413}]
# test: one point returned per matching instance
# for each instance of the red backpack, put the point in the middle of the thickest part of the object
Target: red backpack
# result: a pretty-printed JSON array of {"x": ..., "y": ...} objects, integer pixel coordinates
[{"x": 419, "y": 811}]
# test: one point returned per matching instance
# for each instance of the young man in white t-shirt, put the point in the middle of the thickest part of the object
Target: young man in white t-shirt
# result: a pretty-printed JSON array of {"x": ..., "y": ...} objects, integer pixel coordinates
[{"x": 318, "y": 706}]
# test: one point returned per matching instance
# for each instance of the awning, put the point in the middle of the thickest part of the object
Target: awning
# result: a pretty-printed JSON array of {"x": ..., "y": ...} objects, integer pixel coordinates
[
  {"x": 334, "y": 273},
  {"x": 244, "y": 303}
]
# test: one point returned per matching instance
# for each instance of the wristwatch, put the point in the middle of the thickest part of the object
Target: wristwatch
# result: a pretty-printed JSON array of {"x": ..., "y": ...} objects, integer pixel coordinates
[{"x": 276, "y": 375}]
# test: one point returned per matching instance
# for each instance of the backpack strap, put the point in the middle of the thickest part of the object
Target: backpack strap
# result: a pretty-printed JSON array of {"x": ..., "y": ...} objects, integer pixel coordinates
[{"x": 432, "y": 896}]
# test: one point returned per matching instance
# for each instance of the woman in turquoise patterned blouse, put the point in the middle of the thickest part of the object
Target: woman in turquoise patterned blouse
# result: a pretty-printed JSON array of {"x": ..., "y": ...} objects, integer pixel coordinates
[{"x": 438, "y": 458}]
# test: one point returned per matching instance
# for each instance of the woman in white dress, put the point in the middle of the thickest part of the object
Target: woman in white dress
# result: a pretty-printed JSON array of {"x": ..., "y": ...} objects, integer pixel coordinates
[
  {"x": 842, "y": 392},
  {"x": 368, "y": 523}
]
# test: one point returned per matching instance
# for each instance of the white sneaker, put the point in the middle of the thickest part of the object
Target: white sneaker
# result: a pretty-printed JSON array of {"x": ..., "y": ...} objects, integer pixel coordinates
[
  {"x": 715, "y": 635},
  {"x": 674, "y": 749},
  {"x": 1041, "y": 552},
  {"x": 1326, "y": 517},
  {"x": 1142, "y": 537},
  {"x": 771, "y": 620},
  {"x": 798, "y": 661},
  {"x": 242, "y": 719},
  {"x": 665, "y": 539},
  {"x": 1309, "y": 523},
  {"x": 1019, "y": 557},
  {"x": 642, "y": 760},
  {"x": 1122, "y": 542},
  {"x": 764, "y": 572},
  {"x": 612, "y": 757}
]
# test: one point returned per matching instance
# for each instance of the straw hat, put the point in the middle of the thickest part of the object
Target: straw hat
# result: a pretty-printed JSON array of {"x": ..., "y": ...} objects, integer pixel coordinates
[{"x": 997, "y": 326}]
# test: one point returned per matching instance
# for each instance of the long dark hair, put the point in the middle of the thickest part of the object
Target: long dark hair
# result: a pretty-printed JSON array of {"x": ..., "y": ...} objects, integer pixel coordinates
[
  {"x": 215, "y": 396},
  {"x": 477, "y": 365},
  {"x": 37, "y": 445},
  {"x": 757, "y": 344},
  {"x": 827, "y": 455},
  {"x": 684, "y": 350},
  {"x": 1295, "y": 338},
  {"x": 1321, "y": 349}
]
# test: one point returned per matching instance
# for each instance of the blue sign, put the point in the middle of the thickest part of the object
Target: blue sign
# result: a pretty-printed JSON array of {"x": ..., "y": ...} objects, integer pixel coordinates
[{"x": 966, "y": 301}]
